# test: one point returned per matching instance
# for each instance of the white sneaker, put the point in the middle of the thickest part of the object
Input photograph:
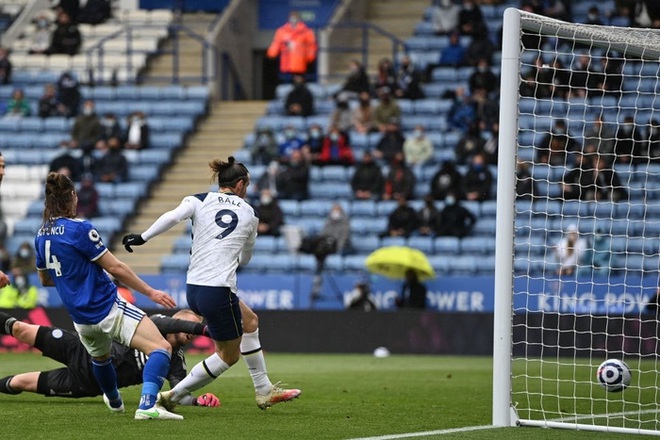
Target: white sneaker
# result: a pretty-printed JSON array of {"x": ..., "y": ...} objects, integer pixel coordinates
[
  {"x": 119, "y": 409},
  {"x": 276, "y": 395},
  {"x": 156, "y": 412}
]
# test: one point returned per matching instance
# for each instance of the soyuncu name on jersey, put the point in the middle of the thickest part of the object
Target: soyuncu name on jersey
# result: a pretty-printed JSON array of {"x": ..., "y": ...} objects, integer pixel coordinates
[
  {"x": 53, "y": 230},
  {"x": 234, "y": 202}
]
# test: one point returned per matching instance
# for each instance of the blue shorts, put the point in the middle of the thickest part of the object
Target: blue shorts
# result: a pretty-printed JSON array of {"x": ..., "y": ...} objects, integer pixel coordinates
[{"x": 219, "y": 307}]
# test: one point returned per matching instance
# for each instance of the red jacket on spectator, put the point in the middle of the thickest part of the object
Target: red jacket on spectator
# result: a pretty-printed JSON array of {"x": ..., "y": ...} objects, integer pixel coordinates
[
  {"x": 296, "y": 46},
  {"x": 344, "y": 153}
]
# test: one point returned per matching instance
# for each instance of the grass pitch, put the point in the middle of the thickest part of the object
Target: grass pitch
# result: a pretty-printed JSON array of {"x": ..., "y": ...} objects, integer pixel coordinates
[{"x": 344, "y": 397}]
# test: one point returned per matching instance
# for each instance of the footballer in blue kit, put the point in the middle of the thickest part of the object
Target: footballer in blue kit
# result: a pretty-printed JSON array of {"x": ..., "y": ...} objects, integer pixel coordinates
[{"x": 72, "y": 257}]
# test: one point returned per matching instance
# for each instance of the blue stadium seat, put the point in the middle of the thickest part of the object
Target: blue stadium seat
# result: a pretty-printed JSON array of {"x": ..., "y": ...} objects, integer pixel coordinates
[
  {"x": 304, "y": 263},
  {"x": 143, "y": 173},
  {"x": 385, "y": 207},
  {"x": 290, "y": 208},
  {"x": 197, "y": 92},
  {"x": 440, "y": 263},
  {"x": 354, "y": 263},
  {"x": 331, "y": 190},
  {"x": 173, "y": 93},
  {"x": 484, "y": 226},
  {"x": 182, "y": 244},
  {"x": 315, "y": 208},
  {"x": 478, "y": 245},
  {"x": 266, "y": 243},
  {"x": 135, "y": 190},
  {"x": 368, "y": 225},
  {"x": 392, "y": 241},
  {"x": 28, "y": 225},
  {"x": 447, "y": 245},
  {"x": 175, "y": 263},
  {"x": 56, "y": 124},
  {"x": 362, "y": 208},
  {"x": 155, "y": 156},
  {"x": 463, "y": 265},
  {"x": 424, "y": 244},
  {"x": 365, "y": 243}
]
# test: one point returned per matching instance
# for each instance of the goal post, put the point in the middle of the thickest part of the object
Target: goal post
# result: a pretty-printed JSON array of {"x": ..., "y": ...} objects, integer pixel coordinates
[{"x": 554, "y": 323}]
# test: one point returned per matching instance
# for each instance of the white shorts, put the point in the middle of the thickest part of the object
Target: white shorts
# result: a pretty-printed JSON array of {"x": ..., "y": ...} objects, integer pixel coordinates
[{"x": 120, "y": 325}]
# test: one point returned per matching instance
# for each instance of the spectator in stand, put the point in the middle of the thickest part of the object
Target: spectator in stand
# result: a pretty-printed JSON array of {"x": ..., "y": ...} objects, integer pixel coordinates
[
  {"x": 112, "y": 166},
  {"x": 570, "y": 251},
  {"x": 95, "y": 12},
  {"x": 66, "y": 38},
  {"x": 577, "y": 179},
  {"x": 48, "y": 105},
  {"x": 357, "y": 81},
  {"x": 336, "y": 150},
  {"x": 295, "y": 44},
  {"x": 525, "y": 184},
  {"x": 418, "y": 149},
  {"x": 293, "y": 181},
  {"x": 109, "y": 128},
  {"x": 610, "y": 81},
  {"x": 385, "y": 77},
  {"x": 299, "y": 101},
  {"x": 654, "y": 141},
  {"x": 408, "y": 81},
  {"x": 88, "y": 198},
  {"x": 363, "y": 119},
  {"x": 270, "y": 179},
  {"x": 292, "y": 142},
  {"x": 391, "y": 143},
  {"x": 445, "y": 17},
  {"x": 314, "y": 146},
  {"x": 19, "y": 294},
  {"x": 86, "y": 129},
  {"x": 454, "y": 54},
  {"x": 481, "y": 47},
  {"x": 368, "y": 180},
  {"x": 486, "y": 109},
  {"x": 629, "y": 145},
  {"x": 447, "y": 180},
  {"x": 342, "y": 116},
  {"x": 338, "y": 226},
  {"x": 5, "y": 66},
  {"x": 461, "y": 114},
  {"x": 483, "y": 78},
  {"x": 620, "y": 16},
  {"x": 428, "y": 216},
  {"x": 66, "y": 163},
  {"x": 402, "y": 222},
  {"x": 478, "y": 180},
  {"x": 68, "y": 95},
  {"x": 264, "y": 149},
  {"x": 601, "y": 136},
  {"x": 646, "y": 14},
  {"x": 470, "y": 18},
  {"x": 24, "y": 261},
  {"x": 604, "y": 183},
  {"x": 41, "y": 37},
  {"x": 556, "y": 145},
  {"x": 70, "y": 7},
  {"x": 400, "y": 181},
  {"x": 593, "y": 16},
  {"x": 387, "y": 110},
  {"x": 271, "y": 217},
  {"x": 18, "y": 107},
  {"x": 471, "y": 143},
  {"x": 455, "y": 220},
  {"x": 413, "y": 293},
  {"x": 583, "y": 76},
  {"x": 536, "y": 80},
  {"x": 136, "y": 136}
]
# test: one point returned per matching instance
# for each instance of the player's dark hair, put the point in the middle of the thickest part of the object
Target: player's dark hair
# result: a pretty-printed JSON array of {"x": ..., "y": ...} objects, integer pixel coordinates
[
  {"x": 59, "y": 197},
  {"x": 229, "y": 173}
]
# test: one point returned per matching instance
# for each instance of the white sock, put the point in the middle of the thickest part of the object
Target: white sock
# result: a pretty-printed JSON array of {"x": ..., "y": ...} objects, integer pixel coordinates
[
  {"x": 201, "y": 375},
  {"x": 254, "y": 358}
]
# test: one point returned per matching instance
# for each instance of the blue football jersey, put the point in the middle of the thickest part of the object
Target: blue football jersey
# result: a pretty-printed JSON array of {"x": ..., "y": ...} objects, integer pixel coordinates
[{"x": 68, "y": 248}]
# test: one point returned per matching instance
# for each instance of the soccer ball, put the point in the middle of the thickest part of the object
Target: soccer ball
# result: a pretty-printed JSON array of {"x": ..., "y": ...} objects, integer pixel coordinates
[{"x": 613, "y": 375}]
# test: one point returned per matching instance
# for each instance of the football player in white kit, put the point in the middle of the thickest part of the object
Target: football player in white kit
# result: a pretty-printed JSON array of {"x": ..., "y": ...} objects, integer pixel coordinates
[{"x": 224, "y": 231}]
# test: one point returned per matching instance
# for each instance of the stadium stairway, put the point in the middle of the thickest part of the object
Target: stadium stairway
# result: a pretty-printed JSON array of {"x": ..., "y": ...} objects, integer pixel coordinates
[
  {"x": 394, "y": 16},
  {"x": 159, "y": 69},
  {"x": 218, "y": 135}
]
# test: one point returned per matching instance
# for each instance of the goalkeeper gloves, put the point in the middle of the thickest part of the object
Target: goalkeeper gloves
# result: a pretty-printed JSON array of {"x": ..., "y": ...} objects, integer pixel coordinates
[
  {"x": 208, "y": 399},
  {"x": 132, "y": 240}
]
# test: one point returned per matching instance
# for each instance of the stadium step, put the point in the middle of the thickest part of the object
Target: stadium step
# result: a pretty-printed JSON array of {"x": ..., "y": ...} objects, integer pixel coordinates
[{"x": 189, "y": 174}]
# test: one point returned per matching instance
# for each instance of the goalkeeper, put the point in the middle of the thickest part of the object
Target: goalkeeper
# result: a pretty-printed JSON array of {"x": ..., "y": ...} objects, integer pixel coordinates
[{"x": 77, "y": 380}]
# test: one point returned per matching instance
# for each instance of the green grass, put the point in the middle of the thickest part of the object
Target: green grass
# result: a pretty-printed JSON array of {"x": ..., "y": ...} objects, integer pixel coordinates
[{"x": 344, "y": 396}]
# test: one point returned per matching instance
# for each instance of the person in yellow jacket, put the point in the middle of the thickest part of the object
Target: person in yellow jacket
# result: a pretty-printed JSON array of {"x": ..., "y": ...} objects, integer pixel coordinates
[
  {"x": 19, "y": 294},
  {"x": 295, "y": 43}
]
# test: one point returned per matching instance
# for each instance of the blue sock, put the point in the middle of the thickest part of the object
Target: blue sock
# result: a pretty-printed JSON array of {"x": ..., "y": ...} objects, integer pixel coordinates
[
  {"x": 153, "y": 376},
  {"x": 106, "y": 377}
]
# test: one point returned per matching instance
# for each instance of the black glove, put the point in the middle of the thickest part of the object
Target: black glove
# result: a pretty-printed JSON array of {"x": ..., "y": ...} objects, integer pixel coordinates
[{"x": 132, "y": 240}]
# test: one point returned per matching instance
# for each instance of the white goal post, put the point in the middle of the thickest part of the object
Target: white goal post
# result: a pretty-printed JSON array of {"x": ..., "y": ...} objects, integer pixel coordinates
[{"x": 565, "y": 122}]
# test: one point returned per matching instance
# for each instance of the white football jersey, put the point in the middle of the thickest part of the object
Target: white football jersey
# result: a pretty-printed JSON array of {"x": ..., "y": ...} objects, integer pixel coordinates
[{"x": 224, "y": 230}]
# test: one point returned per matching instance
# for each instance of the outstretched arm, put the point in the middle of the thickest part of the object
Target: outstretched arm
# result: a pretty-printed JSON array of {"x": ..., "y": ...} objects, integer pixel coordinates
[{"x": 164, "y": 223}]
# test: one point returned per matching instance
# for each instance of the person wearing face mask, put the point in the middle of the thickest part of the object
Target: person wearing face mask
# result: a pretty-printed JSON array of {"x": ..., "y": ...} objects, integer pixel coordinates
[
  {"x": 136, "y": 136},
  {"x": 387, "y": 110},
  {"x": 336, "y": 150},
  {"x": 112, "y": 166},
  {"x": 68, "y": 95},
  {"x": 363, "y": 120},
  {"x": 408, "y": 81},
  {"x": 265, "y": 148},
  {"x": 66, "y": 38},
  {"x": 314, "y": 145},
  {"x": 334, "y": 237},
  {"x": 292, "y": 142},
  {"x": 470, "y": 17},
  {"x": 454, "y": 220},
  {"x": 400, "y": 181},
  {"x": 271, "y": 217},
  {"x": 628, "y": 142},
  {"x": 41, "y": 36},
  {"x": 483, "y": 78},
  {"x": 445, "y": 17},
  {"x": 86, "y": 129},
  {"x": 19, "y": 294},
  {"x": 23, "y": 262},
  {"x": 478, "y": 180},
  {"x": 417, "y": 149},
  {"x": 357, "y": 81},
  {"x": 555, "y": 147},
  {"x": 299, "y": 101},
  {"x": 293, "y": 181},
  {"x": 342, "y": 116},
  {"x": 295, "y": 44},
  {"x": 368, "y": 180}
]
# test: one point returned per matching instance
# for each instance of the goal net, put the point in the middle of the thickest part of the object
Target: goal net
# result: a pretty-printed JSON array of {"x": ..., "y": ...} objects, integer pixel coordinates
[{"x": 578, "y": 226}]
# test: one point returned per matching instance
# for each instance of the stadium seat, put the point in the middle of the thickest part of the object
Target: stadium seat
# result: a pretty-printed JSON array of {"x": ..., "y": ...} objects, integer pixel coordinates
[
  {"x": 446, "y": 245},
  {"x": 365, "y": 243},
  {"x": 424, "y": 244}
]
